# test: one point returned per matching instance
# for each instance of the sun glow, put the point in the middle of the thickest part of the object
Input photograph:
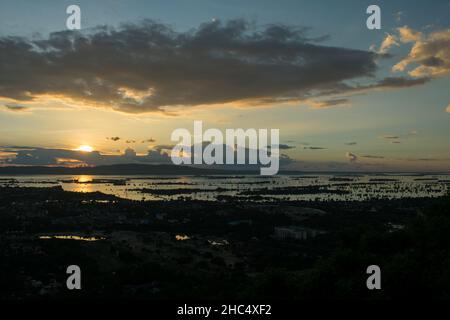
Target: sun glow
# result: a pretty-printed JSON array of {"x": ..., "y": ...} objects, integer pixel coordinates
[{"x": 85, "y": 148}]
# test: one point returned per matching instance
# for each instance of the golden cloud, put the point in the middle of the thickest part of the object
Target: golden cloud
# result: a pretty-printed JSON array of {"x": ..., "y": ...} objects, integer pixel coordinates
[
  {"x": 430, "y": 54},
  {"x": 388, "y": 42},
  {"x": 408, "y": 35}
]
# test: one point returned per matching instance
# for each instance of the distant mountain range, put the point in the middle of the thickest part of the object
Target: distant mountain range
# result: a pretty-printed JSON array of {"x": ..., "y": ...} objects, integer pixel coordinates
[
  {"x": 166, "y": 169},
  {"x": 120, "y": 169}
]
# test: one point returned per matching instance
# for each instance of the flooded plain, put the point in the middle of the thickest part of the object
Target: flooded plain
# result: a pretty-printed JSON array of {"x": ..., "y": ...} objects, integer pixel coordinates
[{"x": 313, "y": 187}]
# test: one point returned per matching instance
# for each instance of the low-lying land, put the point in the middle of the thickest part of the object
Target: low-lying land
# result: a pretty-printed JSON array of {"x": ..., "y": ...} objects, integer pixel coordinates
[{"x": 220, "y": 249}]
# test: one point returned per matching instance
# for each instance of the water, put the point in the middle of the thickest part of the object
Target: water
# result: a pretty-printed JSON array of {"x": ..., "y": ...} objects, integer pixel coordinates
[{"x": 320, "y": 187}]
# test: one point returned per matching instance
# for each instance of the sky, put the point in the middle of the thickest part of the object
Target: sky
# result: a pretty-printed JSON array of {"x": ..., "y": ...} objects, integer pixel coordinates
[{"x": 343, "y": 97}]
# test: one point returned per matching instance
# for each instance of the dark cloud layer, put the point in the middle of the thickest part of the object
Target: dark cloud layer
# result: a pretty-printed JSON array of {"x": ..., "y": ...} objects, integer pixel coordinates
[
  {"x": 46, "y": 157},
  {"x": 159, "y": 154},
  {"x": 149, "y": 66}
]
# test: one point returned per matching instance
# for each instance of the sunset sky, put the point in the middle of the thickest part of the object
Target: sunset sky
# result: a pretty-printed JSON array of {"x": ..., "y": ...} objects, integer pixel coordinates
[{"x": 344, "y": 97}]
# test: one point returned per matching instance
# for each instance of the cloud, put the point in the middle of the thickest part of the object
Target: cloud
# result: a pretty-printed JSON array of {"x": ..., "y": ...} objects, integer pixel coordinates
[
  {"x": 408, "y": 35},
  {"x": 15, "y": 148},
  {"x": 387, "y": 43},
  {"x": 5, "y": 155},
  {"x": 351, "y": 157},
  {"x": 113, "y": 138},
  {"x": 63, "y": 157},
  {"x": 48, "y": 157},
  {"x": 372, "y": 157},
  {"x": 314, "y": 148},
  {"x": 285, "y": 147},
  {"x": 386, "y": 83},
  {"x": 16, "y": 108},
  {"x": 429, "y": 55},
  {"x": 327, "y": 103},
  {"x": 400, "y": 82},
  {"x": 149, "y": 66},
  {"x": 429, "y": 159},
  {"x": 448, "y": 108},
  {"x": 162, "y": 147},
  {"x": 284, "y": 159},
  {"x": 390, "y": 137},
  {"x": 396, "y": 138}
]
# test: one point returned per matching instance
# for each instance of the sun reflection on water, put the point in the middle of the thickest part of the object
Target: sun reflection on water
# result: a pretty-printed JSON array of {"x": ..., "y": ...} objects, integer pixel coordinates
[
  {"x": 83, "y": 185},
  {"x": 84, "y": 179}
]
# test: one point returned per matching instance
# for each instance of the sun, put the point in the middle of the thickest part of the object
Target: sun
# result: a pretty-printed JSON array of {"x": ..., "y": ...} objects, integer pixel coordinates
[{"x": 85, "y": 148}]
